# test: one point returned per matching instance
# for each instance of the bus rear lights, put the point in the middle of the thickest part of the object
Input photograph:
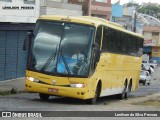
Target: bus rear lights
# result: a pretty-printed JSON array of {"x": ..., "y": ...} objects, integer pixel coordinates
[
  {"x": 32, "y": 79},
  {"x": 78, "y": 85}
]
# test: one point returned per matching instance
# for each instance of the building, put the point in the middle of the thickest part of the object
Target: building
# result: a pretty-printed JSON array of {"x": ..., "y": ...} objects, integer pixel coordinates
[
  {"x": 117, "y": 13},
  {"x": 60, "y": 7},
  {"x": 152, "y": 41},
  {"x": 17, "y": 17},
  {"x": 22, "y": 11},
  {"x": 96, "y": 8},
  {"x": 151, "y": 32}
]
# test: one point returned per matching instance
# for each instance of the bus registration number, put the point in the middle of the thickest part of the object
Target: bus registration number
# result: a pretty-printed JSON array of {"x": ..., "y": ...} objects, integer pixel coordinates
[{"x": 53, "y": 90}]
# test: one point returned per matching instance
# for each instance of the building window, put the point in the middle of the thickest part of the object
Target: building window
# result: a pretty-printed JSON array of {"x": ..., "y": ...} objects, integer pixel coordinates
[
  {"x": 103, "y": 1},
  {"x": 29, "y": 1},
  {"x": 155, "y": 33},
  {"x": 156, "y": 51},
  {"x": 81, "y": 0}
]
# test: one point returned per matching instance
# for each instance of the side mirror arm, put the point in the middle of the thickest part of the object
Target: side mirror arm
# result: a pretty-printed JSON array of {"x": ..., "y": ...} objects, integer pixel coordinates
[{"x": 27, "y": 41}]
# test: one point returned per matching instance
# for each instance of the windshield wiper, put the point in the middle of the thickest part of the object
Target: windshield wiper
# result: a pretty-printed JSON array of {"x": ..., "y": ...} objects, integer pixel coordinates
[
  {"x": 52, "y": 57},
  {"x": 65, "y": 63}
]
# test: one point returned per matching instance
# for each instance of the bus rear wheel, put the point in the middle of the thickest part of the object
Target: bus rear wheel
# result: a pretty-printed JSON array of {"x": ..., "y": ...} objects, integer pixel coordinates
[
  {"x": 123, "y": 94},
  {"x": 43, "y": 96},
  {"x": 128, "y": 90}
]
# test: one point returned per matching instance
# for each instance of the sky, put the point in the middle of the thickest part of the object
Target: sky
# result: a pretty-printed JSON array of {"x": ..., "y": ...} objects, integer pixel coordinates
[{"x": 137, "y": 1}]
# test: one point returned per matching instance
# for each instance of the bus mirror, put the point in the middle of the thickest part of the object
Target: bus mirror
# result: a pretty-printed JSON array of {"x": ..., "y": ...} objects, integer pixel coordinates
[
  {"x": 27, "y": 41},
  {"x": 29, "y": 34}
]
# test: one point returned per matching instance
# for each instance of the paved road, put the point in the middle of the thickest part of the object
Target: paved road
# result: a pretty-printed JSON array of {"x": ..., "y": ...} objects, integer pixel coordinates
[
  {"x": 153, "y": 88},
  {"x": 31, "y": 101}
]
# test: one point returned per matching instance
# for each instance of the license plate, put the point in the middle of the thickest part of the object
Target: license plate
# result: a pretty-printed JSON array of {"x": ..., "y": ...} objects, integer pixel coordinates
[{"x": 52, "y": 90}]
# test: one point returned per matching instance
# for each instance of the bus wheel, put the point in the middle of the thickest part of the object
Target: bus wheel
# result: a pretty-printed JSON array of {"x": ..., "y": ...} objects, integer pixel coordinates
[
  {"x": 43, "y": 96},
  {"x": 93, "y": 100},
  {"x": 122, "y": 95},
  {"x": 128, "y": 90}
]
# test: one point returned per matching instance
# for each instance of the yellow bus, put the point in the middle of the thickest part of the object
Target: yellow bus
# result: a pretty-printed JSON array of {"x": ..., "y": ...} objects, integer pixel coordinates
[{"x": 82, "y": 57}]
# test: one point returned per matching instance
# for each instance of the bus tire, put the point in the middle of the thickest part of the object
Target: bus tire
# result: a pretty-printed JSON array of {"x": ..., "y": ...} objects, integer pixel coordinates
[
  {"x": 123, "y": 94},
  {"x": 43, "y": 96},
  {"x": 96, "y": 95},
  {"x": 128, "y": 90}
]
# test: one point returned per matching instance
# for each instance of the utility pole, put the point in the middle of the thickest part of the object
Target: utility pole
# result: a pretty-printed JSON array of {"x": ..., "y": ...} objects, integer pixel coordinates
[
  {"x": 134, "y": 20},
  {"x": 89, "y": 8}
]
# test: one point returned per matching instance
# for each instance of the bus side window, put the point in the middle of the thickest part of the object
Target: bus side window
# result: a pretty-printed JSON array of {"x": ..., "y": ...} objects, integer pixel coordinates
[
  {"x": 96, "y": 48},
  {"x": 130, "y": 43},
  {"x": 118, "y": 48},
  {"x": 98, "y": 36},
  {"x": 105, "y": 42},
  {"x": 124, "y": 46},
  {"x": 112, "y": 40}
]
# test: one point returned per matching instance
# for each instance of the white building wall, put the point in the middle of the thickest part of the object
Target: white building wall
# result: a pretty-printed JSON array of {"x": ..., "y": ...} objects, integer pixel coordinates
[
  {"x": 50, "y": 7},
  {"x": 147, "y": 35},
  {"x": 41, "y": 7},
  {"x": 19, "y": 15},
  {"x": 59, "y": 11}
]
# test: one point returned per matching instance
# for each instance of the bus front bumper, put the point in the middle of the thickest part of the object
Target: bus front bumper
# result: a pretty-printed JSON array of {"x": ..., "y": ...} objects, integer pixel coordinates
[{"x": 80, "y": 93}]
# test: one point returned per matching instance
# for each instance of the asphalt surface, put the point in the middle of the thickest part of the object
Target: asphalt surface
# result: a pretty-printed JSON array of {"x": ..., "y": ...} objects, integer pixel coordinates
[{"x": 31, "y": 101}]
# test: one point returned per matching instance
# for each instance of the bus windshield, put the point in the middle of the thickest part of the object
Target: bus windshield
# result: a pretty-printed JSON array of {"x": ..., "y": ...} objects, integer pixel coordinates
[{"x": 61, "y": 48}]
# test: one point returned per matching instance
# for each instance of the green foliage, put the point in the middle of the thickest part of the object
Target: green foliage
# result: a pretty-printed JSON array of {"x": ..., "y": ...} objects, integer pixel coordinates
[
  {"x": 150, "y": 9},
  {"x": 3, "y": 93},
  {"x": 131, "y": 4}
]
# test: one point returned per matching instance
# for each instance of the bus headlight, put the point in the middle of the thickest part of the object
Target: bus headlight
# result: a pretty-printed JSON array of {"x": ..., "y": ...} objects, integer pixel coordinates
[
  {"x": 32, "y": 79},
  {"x": 78, "y": 85}
]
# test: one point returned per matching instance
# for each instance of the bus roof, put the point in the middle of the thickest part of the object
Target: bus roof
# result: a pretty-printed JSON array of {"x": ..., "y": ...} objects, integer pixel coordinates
[{"x": 93, "y": 21}]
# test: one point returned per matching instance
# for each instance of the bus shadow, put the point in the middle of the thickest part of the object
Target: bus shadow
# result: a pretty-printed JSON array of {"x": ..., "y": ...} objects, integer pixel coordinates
[
  {"x": 73, "y": 101},
  {"x": 61, "y": 100}
]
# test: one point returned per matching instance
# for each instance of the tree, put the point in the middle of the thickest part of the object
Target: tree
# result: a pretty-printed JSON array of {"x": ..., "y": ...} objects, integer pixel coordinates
[
  {"x": 150, "y": 9},
  {"x": 130, "y": 4}
]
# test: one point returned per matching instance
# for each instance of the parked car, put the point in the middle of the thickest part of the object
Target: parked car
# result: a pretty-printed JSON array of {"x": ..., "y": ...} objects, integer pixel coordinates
[
  {"x": 147, "y": 68},
  {"x": 151, "y": 64},
  {"x": 145, "y": 77},
  {"x": 154, "y": 62},
  {"x": 151, "y": 70}
]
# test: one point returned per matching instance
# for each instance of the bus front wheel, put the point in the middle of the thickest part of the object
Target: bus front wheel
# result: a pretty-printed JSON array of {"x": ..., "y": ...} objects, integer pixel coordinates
[
  {"x": 43, "y": 96},
  {"x": 93, "y": 100}
]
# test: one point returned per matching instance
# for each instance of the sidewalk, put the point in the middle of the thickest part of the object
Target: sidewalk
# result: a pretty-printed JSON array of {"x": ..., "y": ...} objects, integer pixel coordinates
[{"x": 18, "y": 84}]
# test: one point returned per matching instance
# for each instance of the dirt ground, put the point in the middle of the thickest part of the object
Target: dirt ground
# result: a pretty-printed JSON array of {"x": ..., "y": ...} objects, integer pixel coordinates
[{"x": 147, "y": 103}]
